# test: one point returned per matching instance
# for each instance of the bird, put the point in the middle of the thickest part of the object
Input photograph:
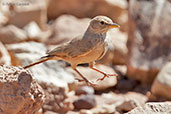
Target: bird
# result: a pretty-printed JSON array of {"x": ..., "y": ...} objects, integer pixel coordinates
[{"x": 88, "y": 48}]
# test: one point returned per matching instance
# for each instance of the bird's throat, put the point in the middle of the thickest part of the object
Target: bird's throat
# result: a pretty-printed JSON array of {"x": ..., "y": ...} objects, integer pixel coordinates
[{"x": 90, "y": 34}]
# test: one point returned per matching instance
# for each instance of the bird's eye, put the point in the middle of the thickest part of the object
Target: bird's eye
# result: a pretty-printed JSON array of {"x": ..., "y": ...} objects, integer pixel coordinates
[{"x": 102, "y": 22}]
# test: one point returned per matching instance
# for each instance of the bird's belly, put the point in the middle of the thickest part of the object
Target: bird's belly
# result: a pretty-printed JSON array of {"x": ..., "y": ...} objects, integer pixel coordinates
[{"x": 94, "y": 55}]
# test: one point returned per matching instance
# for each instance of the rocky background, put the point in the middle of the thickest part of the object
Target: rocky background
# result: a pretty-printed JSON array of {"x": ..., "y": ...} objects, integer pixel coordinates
[{"x": 140, "y": 52}]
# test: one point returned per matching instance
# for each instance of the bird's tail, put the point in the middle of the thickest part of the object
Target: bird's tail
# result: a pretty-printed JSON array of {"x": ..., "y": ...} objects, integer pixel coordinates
[{"x": 43, "y": 59}]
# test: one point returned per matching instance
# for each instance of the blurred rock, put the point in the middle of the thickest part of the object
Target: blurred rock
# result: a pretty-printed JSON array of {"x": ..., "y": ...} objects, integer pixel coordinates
[
  {"x": 119, "y": 40},
  {"x": 126, "y": 84},
  {"x": 19, "y": 92},
  {"x": 107, "y": 103},
  {"x": 31, "y": 10},
  {"x": 94, "y": 75},
  {"x": 84, "y": 90},
  {"x": 149, "y": 40},
  {"x": 138, "y": 98},
  {"x": 153, "y": 108},
  {"x": 91, "y": 8},
  {"x": 122, "y": 69},
  {"x": 3, "y": 18},
  {"x": 162, "y": 85},
  {"x": 11, "y": 34},
  {"x": 50, "y": 112},
  {"x": 55, "y": 99},
  {"x": 126, "y": 106},
  {"x": 4, "y": 55},
  {"x": 118, "y": 50},
  {"x": 49, "y": 72},
  {"x": 35, "y": 33},
  {"x": 67, "y": 27},
  {"x": 85, "y": 102}
]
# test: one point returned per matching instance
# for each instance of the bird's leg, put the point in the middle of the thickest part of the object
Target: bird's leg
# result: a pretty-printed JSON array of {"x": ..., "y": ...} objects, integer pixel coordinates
[
  {"x": 85, "y": 79},
  {"x": 105, "y": 75}
]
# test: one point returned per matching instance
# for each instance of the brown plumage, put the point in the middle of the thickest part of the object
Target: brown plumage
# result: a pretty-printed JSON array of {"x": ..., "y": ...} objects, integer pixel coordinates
[{"x": 91, "y": 47}]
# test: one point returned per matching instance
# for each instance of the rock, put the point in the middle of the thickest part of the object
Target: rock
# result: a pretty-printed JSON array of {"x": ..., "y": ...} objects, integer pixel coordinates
[
  {"x": 119, "y": 40},
  {"x": 153, "y": 108},
  {"x": 118, "y": 50},
  {"x": 11, "y": 34},
  {"x": 91, "y": 8},
  {"x": 149, "y": 42},
  {"x": 4, "y": 55},
  {"x": 55, "y": 99},
  {"x": 35, "y": 33},
  {"x": 3, "y": 18},
  {"x": 84, "y": 90},
  {"x": 49, "y": 72},
  {"x": 109, "y": 103},
  {"x": 21, "y": 15},
  {"x": 126, "y": 106},
  {"x": 20, "y": 93},
  {"x": 85, "y": 102},
  {"x": 63, "y": 33},
  {"x": 125, "y": 85},
  {"x": 139, "y": 98},
  {"x": 162, "y": 86},
  {"x": 50, "y": 112},
  {"x": 94, "y": 75}
]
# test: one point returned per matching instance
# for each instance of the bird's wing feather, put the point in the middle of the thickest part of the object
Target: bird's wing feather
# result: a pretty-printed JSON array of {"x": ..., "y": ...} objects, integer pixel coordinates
[{"x": 74, "y": 48}]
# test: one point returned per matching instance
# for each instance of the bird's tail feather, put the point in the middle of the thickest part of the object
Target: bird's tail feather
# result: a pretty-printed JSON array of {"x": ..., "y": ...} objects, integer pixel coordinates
[{"x": 43, "y": 59}]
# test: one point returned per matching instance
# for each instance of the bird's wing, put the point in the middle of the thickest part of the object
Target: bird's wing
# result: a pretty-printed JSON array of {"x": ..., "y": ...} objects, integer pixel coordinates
[{"x": 74, "y": 48}]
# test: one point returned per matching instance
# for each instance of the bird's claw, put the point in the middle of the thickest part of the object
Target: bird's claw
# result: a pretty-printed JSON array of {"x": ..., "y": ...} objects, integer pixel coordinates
[
  {"x": 91, "y": 84},
  {"x": 79, "y": 80},
  {"x": 87, "y": 82},
  {"x": 106, "y": 75}
]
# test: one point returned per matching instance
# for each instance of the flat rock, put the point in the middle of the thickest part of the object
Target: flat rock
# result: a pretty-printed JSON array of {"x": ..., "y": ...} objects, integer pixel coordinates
[
  {"x": 162, "y": 86},
  {"x": 149, "y": 43},
  {"x": 153, "y": 108},
  {"x": 20, "y": 93}
]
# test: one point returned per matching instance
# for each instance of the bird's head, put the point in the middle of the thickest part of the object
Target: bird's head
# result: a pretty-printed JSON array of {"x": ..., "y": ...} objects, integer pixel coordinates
[{"x": 101, "y": 24}]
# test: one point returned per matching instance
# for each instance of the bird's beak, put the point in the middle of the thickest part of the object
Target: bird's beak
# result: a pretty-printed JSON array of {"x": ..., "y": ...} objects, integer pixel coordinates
[{"x": 114, "y": 25}]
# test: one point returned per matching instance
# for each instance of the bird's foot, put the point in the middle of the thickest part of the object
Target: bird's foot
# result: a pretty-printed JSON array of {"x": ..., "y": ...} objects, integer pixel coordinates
[
  {"x": 106, "y": 75},
  {"x": 89, "y": 83},
  {"x": 79, "y": 80}
]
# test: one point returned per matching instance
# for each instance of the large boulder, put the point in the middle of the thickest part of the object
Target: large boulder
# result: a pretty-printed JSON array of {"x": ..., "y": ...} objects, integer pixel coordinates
[
  {"x": 162, "y": 86},
  {"x": 20, "y": 93},
  {"x": 149, "y": 38}
]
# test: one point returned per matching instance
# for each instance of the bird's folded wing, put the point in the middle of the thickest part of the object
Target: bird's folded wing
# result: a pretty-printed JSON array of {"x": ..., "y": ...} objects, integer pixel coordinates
[{"x": 76, "y": 47}]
